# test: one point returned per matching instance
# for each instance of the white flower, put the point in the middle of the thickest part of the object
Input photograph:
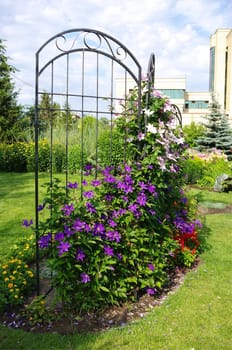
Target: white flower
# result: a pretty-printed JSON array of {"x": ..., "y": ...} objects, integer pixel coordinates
[
  {"x": 147, "y": 112},
  {"x": 151, "y": 128},
  {"x": 167, "y": 107},
  {"x": 141, "y": 136}
]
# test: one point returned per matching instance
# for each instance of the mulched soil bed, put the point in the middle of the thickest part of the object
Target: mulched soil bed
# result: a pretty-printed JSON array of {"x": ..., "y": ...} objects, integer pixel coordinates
[{"x": 92, "y": 322}]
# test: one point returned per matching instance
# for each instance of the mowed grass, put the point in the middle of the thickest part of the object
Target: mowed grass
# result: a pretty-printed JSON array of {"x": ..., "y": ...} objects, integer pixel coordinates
[
  {"x": 197, "y": 316},
  {"x": 17, "y": 202}
]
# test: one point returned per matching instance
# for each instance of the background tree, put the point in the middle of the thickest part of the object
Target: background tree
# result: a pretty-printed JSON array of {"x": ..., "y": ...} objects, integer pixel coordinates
[
  {"x": 217, "y": 130},
  {"x": 10, "y": 111},
  {"x": 48, "y": 112},
  {"x": 192, "y": 132},
  {"x": 224, "y": 141}
]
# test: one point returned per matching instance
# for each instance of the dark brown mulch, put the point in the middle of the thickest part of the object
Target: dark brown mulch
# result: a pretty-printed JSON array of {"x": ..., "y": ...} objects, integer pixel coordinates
[{"x": 95, "y": 322}]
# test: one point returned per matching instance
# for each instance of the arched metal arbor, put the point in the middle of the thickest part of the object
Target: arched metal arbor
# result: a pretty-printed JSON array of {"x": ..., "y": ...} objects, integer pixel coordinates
[{"x": 81, "y": 72}]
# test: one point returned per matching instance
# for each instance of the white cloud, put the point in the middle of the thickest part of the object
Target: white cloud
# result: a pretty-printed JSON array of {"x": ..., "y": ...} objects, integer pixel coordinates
[{"x": 177, "y": 31}]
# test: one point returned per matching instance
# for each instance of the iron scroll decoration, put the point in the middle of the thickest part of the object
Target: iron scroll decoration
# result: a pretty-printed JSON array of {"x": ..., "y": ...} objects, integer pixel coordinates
[
  {"x": 177, "y": 113},
  {"x": 90, "y": 40}
]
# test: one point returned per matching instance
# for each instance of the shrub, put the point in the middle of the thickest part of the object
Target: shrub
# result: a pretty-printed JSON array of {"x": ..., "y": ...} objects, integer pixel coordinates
[
  {"x": 77, "y": 158},
  {"x": 131, "y": 226},
  {"x": 13, "y": 157},
  {"x": 43, "y": 156},
  {"x": 192, "y": 132},
  {"x": 111, "y": 148},
  {"x": 212, "y": 170},
  {"x": 16, "y": 277},
  {"x": 59, "y": 158},
  {"x": 193, "y": 169}
]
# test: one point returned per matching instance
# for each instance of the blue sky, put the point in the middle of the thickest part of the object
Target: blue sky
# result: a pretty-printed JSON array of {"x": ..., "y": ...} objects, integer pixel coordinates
[{"x": 177, "y": 31}]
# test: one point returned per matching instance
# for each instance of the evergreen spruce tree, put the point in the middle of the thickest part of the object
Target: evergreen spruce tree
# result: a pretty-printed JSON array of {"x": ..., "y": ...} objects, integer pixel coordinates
[
  {"x": 217, "y": 131},
  {"x": 10, "y": 111},
  {"x": 224, "y": 139}
]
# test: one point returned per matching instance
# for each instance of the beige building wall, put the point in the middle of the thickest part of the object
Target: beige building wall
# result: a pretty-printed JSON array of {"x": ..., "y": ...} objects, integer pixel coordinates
[
  {"x": 229, "y": 76},
  {"x": 221, "y": 68},
  {"x": 175, "y": 90}
]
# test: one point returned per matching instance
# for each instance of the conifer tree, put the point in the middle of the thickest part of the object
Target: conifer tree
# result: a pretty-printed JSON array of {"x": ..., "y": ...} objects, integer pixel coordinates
[
  {"x": 10, "y": 111},
  {"x": 224, "y": 139},
  {"x": 217, "y": 131}
]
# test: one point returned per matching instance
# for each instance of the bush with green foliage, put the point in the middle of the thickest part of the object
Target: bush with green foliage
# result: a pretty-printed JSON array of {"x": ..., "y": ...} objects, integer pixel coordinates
[
  {"x": 77, "y": 158},
  {"x": 13, "y": 157},
  {"x": 17, "y": 279},
  {"x": 192, "y": 132},
  {"x": 131, "y": 226},
  {"x": 110, "y": 148},
  {"x": 204, "y": 168}
]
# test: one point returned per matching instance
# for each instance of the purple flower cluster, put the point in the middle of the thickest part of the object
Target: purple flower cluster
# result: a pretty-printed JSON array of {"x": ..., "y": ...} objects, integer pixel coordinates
[
  {"x": 68, "y": 209},
  {"x": 45, "y": 241},
  {"x": 183, "y": 226}
]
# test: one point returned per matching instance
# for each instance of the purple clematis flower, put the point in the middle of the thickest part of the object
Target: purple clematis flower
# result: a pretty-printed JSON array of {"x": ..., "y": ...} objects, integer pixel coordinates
[
  {"x": 72, "y": 185},
  {"x": 68, "y": 209},
  {"x": 59, "y": 236},
  {"x": 108, "y": 250},
  {"x": 151, "y": 266},
  {"x": 141, "y": 199},
  {"x": 44, "y": 241},
  {"x": 150, "y": 291},
  {"x": 80, "y": 255},
  {"x": 96, "y": 183},
  {"x": 88, "y": 194},
  {"x": 85, "y": 278},
  {"x": 27, "y": 223},
  {"x": 113, "y": 236},
  {"x": 63, "y": 247}
]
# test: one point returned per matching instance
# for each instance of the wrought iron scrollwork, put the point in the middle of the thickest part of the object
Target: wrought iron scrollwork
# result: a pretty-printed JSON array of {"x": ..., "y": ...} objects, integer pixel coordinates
[
  {"x": 150, "y": 78},
  {"x": 177, "y": 113},
  {"x": 91, "y": 40},
  {"x": 151, "y": 71}
]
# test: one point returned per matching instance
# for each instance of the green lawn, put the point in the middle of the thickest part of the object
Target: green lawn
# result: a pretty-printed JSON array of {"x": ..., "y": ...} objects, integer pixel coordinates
[{"x": 197, "y": 316}]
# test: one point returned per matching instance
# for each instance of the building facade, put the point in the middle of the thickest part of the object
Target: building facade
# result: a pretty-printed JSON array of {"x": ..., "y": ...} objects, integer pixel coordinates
[
  {"x": 220, "y": 71},
  {"x": 192, "y": 105}
]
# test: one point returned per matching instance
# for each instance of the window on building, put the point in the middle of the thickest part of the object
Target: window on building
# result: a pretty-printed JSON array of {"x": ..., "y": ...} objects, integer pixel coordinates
[
  {"x": 211, "y": 68},
  {"x": 196, "y": 104},
  {"x": 173, "y": 93}
]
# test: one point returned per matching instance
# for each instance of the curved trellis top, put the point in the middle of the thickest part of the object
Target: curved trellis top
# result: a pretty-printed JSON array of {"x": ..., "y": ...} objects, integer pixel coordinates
[{"x": 83, "y": 39}]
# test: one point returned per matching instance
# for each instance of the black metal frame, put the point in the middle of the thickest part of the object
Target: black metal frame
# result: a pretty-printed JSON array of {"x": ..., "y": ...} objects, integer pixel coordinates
[{"x": 82, "y": 42}]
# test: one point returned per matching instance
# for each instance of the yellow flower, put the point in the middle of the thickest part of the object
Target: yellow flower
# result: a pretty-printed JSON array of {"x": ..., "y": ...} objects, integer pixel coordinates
[
  {"x": 16, "y": 296},
  {"x": 14, "y": 272},
  {"x": 4, "y": 272},
  {"x": 6, "y": 279},
  {"x": 10, "y": 285}
]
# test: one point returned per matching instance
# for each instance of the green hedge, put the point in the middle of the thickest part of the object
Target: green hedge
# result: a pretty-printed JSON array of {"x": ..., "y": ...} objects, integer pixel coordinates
[
  {"x": 13, "y": 157},
  {"x": 111, "y": 148},
  {"x": 20, "y": 157}
]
